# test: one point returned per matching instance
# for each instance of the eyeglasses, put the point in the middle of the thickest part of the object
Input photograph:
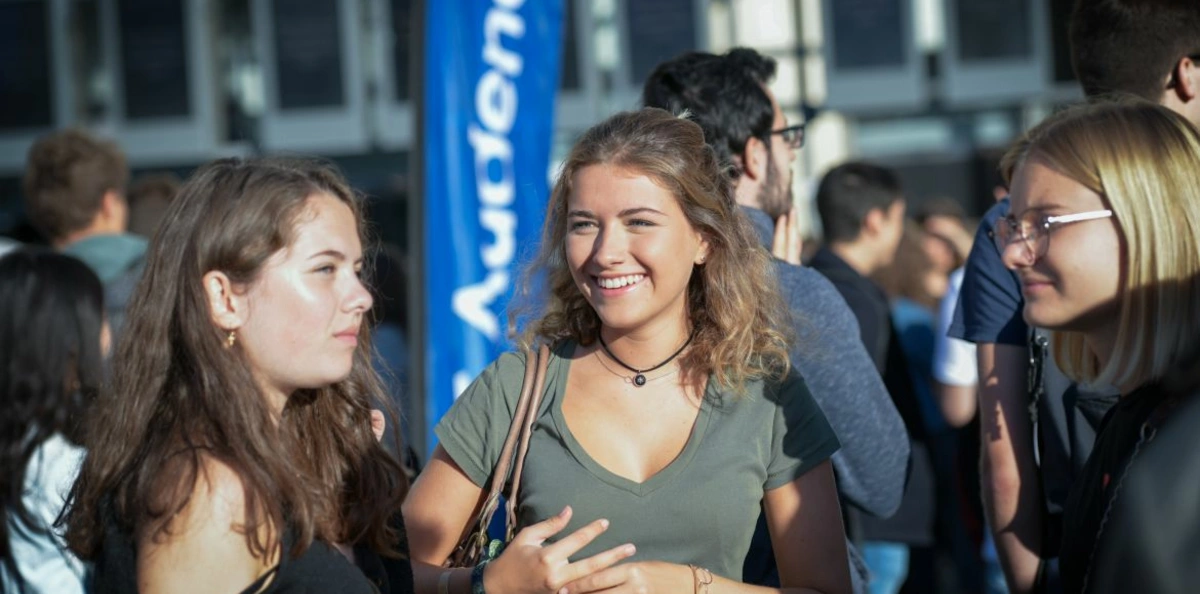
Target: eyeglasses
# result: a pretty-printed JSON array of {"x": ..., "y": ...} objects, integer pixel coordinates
[
  {"x": 793, "y": 136},
  {"x": 1033, "y": 229}
]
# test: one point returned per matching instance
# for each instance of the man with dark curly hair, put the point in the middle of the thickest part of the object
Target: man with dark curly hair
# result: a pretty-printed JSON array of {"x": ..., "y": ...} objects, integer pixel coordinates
[{"x": 743, "y": 123}]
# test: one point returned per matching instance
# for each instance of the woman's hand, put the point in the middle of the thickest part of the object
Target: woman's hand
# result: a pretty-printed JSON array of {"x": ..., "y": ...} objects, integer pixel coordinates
[
  {"x": 528, "y": 567},
  {"x": 639, "y": 577}
]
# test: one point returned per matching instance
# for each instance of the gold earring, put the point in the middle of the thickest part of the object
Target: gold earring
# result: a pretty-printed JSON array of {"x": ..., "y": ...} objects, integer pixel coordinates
[{"x": 229, "y": 340}]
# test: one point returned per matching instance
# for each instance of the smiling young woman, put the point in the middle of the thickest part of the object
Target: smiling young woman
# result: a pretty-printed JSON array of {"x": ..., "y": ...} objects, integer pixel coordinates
[
  {"x": 670, "y": 416},
  {"x": 235, "y": 451},
  {"x": 1104, "y": 238}
]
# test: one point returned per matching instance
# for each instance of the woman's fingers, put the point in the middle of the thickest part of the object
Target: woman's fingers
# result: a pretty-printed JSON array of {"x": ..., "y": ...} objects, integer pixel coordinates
[
  {"x": 597, "y": 572},
  {"x": 536, "y": 534},
  {"x": 574, "y": 542}
]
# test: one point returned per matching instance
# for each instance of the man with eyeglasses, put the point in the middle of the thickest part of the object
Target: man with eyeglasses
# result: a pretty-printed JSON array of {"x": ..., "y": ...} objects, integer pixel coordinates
[
  {"x": 862, "y": 209},
  {"x": 1136, "y": 47},
  {"x": 727, "y": 95}
]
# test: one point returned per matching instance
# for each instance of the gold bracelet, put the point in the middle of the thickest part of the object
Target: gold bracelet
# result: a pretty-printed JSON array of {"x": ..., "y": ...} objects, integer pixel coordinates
[
  {"x": 701, "y": 579},
  {"x": 444, "y": 582}
]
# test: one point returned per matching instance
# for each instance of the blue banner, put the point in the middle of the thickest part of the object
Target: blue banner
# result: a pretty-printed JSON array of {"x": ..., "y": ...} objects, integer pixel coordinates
[{"x": 491, "y": 75}]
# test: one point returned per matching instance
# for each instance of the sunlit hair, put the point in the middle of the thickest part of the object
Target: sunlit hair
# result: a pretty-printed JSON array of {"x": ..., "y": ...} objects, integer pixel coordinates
[
  {"x": 179, "y": 396},
  {"x": 733, "y": 302},
  {"x": 1142, "y": 159}
]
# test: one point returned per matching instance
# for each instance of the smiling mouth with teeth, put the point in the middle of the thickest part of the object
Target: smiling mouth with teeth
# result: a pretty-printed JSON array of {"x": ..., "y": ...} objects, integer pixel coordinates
[{"x": 620, "y": 281}]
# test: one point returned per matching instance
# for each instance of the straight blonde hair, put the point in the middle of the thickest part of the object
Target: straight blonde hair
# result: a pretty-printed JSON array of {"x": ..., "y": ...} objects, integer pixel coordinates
[{"x": 1144, "y": 162}]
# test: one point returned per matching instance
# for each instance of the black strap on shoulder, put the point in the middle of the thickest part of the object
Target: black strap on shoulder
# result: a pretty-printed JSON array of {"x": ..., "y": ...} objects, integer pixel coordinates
[
  {"x": 1038, "y": 345},
  {"x": 1036, "y": 388}
]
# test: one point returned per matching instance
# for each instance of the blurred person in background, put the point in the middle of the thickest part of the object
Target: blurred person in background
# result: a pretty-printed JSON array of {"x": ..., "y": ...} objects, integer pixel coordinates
[
  {"x": 945, "y": 237},
  {"x": 862, "y": 212},
  {"x": 1146, "y": 48},
  {"x": 955, "y": 385},
  {"x": 149, "y": 197},
  {"x": 74, "y": 187},
  {"x": 727, "y": 96},
  {"x": 52, "y": 340},
  {"x": 237, "y": 449},
  {"x": 1103, "y": 237},
  {"x": 914, "y": 282}
]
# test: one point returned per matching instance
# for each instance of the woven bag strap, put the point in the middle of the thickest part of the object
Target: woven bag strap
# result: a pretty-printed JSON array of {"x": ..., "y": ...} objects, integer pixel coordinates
[{"x": 535, "y": 400}]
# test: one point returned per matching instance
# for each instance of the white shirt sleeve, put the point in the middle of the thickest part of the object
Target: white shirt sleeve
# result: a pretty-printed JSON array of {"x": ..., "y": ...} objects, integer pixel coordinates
[
  {"x": 43, "y": 559},
  {"x": 954, "y": 361}
]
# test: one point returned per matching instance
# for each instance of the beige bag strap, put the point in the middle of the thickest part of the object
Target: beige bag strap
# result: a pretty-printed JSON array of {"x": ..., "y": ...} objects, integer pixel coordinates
[
  {"x": 473, "y": 543},
  {"x": 539, "y": 385}
]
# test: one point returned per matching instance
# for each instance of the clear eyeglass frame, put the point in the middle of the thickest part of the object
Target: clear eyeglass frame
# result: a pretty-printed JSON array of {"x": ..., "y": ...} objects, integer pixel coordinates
[{"x": 1033, "y": 229}]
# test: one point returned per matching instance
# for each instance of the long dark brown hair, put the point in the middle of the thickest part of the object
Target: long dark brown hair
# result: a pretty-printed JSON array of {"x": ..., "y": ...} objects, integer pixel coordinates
[{"x": 179, "y": 396}]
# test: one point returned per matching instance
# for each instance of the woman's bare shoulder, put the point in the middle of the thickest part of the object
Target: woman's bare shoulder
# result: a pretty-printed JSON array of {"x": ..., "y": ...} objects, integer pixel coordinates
[{"x": 206, "y": 539}]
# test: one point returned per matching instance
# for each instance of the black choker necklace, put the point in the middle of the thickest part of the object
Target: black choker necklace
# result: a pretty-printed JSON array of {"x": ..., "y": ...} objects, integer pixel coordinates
[{"x": 639, "y": 380}]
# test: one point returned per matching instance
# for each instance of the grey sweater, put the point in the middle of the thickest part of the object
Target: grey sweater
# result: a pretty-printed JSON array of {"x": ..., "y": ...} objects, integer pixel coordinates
[{"x": 872, "y": 465}]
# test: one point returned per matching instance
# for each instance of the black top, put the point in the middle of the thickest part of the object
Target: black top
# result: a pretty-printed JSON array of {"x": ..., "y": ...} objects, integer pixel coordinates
[
  {"x": 320, "y": 568},
  {"x": 1068, "y": 417},
  {"x": 913, "y": 522},
  {"x": 1152, "y": 540},
  {"x": 1093, "y": 490}
]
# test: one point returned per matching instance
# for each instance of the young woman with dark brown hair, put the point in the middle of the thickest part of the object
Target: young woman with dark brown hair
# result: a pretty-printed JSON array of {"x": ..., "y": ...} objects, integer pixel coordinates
[{"x": 234, "y": 450}]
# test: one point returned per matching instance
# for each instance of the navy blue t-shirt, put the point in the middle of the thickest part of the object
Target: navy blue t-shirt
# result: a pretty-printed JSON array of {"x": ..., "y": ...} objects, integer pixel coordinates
[{"x": 990, "y": 302}]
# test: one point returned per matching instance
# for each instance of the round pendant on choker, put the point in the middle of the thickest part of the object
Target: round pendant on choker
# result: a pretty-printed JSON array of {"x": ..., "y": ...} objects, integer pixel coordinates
[{"x": 639, "y": 379}]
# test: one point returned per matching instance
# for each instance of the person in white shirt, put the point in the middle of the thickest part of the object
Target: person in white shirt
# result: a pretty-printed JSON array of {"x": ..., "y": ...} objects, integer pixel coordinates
[{"x": 53, "y": 337}]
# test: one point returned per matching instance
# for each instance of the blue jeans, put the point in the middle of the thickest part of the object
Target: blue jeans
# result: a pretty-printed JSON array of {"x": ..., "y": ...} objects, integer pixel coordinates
[
  {"x": 993, "y": 574},
  {"x": 888, "y": 562}
]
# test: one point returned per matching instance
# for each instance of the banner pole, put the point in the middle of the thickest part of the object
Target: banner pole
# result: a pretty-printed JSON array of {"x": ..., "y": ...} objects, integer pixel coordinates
[{"x": 418, "y": 389}]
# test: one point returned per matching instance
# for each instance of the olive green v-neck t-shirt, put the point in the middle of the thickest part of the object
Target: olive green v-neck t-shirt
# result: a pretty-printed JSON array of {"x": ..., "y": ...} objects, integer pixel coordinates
[{"x": 700, "y": 509}]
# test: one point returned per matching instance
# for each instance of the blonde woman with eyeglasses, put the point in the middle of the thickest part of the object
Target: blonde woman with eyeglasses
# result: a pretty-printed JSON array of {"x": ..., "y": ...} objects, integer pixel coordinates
[{"x": 1103, "y": 236}]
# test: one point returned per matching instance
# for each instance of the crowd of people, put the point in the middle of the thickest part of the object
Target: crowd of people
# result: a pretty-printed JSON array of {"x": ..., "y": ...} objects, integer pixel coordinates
[{"x": 199, "y": 390}]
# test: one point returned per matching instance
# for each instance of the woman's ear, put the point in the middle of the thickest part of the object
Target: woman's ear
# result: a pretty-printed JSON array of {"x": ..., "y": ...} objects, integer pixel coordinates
[
  {"x": 702, "y": 253},
  {"x": 227, "y": 307}
]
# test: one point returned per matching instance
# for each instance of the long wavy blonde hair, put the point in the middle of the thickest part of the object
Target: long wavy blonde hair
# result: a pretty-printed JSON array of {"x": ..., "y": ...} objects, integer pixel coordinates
[
  {"x": 740, "y": 321},
  {"x": 1142, "y": 159}
]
